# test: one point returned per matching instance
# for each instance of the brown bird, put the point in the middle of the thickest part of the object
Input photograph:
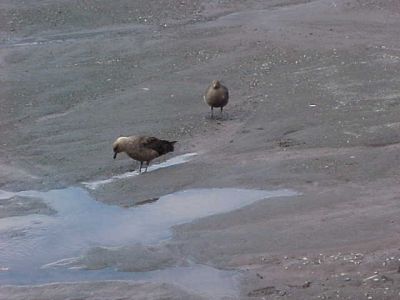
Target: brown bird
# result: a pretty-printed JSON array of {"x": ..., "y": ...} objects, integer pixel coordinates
[
  {"x": 142, "y": 148},
  {"x": 216, "y": 95}
]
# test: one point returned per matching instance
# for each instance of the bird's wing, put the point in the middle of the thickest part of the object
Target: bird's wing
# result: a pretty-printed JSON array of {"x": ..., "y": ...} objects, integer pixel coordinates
[
  {"x": 153, "y": 144},
  {"x": 226, "y": 93}
]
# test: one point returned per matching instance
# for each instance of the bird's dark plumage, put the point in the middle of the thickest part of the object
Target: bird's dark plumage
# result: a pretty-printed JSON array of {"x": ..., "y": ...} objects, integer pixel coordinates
[
  {"x": 142, "y": 148},
  {"x": 161, "y": 146}
]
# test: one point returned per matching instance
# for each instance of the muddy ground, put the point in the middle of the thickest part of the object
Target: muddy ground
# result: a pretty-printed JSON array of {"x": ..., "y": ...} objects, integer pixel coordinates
[{"x": 314, "y": 106}]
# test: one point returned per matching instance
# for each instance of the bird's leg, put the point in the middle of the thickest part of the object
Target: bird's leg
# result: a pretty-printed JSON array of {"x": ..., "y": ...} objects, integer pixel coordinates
[
  {"x": 140, "y": 167},
  {"x": 147, "y": 165},
  {"x": 212, "y": 112},
  {"x": 221, "y": 109}
]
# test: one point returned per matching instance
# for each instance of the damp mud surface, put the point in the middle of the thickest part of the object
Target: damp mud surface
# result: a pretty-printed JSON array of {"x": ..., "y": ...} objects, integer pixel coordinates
[{"x": 314, "y": 106}]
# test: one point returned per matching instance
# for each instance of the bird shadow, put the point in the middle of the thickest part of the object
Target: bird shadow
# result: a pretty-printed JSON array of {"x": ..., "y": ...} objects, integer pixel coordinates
[{"x": 219, "y": 117}]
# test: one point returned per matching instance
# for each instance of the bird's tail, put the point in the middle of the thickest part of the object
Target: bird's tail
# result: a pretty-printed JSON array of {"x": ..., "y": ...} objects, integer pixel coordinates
[{"x": 168, "y": 146}]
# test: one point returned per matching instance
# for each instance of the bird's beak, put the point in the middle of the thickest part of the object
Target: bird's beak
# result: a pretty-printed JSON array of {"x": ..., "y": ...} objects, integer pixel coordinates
[{"x": 115, "y": 155}]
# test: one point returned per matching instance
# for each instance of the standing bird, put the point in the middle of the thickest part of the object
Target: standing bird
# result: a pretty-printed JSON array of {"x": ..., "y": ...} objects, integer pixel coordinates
[
  {"x": 142, "y": 148},
  {"x": 216, "y": 95}
]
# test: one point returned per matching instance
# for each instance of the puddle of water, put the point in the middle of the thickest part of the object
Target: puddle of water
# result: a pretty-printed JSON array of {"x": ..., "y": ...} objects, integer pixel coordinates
[
  {"x": 176, "y": 160},
  {"x": 203, "y": 280},
  {"x": 28, "y": 243}
]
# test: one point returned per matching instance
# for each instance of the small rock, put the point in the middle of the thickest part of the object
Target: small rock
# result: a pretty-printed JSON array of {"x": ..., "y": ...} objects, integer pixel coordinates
[
  {"x": 386, "y": 278},
  {"x": 282, "y": 293}
]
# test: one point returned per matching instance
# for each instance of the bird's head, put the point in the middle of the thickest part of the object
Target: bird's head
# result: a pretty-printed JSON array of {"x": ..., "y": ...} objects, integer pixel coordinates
[
  {"x": 216, "y": 84},
  {"x": 118, "y": 146}
]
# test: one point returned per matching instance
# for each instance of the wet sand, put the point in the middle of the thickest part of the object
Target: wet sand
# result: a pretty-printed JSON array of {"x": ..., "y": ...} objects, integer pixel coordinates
[{"x": 314, "y": 106}]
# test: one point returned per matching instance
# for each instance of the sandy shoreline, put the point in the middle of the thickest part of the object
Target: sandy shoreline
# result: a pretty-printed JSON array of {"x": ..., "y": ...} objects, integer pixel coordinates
[{"x": 314, "y": 107}]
